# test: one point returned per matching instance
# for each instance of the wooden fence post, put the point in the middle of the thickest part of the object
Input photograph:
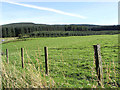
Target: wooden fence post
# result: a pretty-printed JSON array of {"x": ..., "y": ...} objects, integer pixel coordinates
[
  {"x": 22, "y": 57},
  {"x": 7, "y": 55},
  {"x": 46, "y": 60},
  {"x": 98, "y": 63}
]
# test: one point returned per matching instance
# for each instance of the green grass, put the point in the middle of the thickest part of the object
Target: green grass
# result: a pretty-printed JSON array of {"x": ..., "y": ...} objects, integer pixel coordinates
[{"x": 71, "y": 59}]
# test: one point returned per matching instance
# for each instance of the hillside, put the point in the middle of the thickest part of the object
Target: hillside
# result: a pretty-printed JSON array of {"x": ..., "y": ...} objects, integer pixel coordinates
[
  {"x": 70, "y": 60},
  {"x": 43, "y": 30}
]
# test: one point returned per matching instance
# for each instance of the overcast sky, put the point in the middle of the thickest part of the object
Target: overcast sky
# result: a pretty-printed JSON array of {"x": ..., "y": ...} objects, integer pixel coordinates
[{"x": 103, "y": 13}]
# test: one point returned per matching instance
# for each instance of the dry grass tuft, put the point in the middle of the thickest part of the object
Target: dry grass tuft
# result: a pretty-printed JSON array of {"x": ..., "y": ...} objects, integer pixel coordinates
[{"x": 29, "y": 77}]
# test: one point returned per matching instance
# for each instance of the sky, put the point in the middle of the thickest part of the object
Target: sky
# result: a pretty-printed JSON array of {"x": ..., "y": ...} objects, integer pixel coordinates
[{"x": 99, "y": 13}]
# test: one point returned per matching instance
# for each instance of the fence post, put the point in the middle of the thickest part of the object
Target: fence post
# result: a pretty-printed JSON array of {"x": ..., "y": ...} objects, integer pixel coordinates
[
  {"x": 22, "y": 57},
  {"x": 98, "y": 63},
  {"x": 7, "y": 56},
  {"x": 46, "y": 59}
]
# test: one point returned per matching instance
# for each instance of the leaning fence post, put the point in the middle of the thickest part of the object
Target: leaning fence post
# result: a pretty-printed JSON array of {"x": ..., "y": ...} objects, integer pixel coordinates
[
  {"x": 7, "y": 56},
  {"x": 46, "y": 60},
  {"x": 98, "y": 63},
  {"x": 22, "y": 57}
]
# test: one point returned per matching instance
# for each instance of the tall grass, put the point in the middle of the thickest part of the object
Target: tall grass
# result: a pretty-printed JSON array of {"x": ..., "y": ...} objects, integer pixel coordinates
[{"x": 14, "y": 76}]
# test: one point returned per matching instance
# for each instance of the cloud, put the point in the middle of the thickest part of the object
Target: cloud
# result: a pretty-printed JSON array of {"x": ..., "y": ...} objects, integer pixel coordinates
[{"x": 47, "y": 9}]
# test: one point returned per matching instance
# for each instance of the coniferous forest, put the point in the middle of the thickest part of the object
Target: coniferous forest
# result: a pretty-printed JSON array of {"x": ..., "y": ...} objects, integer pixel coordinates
[{"x": 44, "y": 30}]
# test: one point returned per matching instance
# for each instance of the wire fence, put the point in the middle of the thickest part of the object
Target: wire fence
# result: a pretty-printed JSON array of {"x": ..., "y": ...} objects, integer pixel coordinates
[{"x": 73, "y": 65}]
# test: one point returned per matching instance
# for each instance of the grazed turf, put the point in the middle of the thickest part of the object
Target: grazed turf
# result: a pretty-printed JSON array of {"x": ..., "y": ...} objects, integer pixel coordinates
[{"x": 71, "y": 59}]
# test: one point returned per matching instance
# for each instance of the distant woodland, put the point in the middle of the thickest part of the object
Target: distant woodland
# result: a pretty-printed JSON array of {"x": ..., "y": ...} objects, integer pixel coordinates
[{"x": 44, "y": 30}]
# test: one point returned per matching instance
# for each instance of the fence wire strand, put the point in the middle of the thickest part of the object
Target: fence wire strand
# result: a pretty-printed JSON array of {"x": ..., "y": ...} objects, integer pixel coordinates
[{"x": 73, "y": 65}]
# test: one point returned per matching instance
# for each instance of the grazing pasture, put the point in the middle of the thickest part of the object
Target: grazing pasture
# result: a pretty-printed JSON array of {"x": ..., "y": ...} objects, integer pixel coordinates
[{"x": 70, "y": 61}]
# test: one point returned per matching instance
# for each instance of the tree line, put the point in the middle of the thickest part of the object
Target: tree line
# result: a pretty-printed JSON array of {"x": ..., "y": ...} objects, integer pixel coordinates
[
  {"x": 43, "y": 30},
  {"x": 69, "y": 33}
]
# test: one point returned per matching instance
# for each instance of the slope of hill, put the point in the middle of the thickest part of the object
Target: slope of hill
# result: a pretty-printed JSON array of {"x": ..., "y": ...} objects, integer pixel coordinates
[{"x": 31, "y": 29}]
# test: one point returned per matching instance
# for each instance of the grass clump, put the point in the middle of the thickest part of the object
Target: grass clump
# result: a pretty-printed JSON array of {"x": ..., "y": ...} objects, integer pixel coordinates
[{"x": 29, "y": 77}]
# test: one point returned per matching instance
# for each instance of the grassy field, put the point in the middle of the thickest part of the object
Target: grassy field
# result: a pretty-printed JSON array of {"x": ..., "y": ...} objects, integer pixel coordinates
[{"x": 71, "y": 62}]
